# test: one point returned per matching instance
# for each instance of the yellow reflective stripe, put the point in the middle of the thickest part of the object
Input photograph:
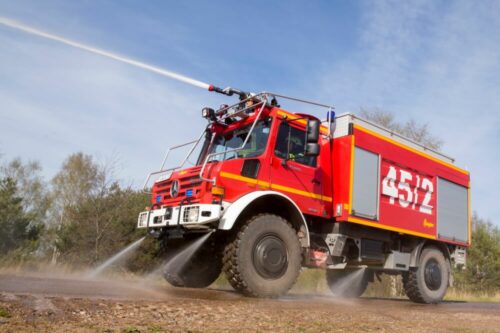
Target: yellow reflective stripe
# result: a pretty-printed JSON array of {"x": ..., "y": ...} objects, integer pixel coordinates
[
  {"x": 469, "y": 222},
  {"x": 413, "y": 150},
  {"x": 275, "y": 186},
  {"x": 300, "y": 192},
  {"x": 386, "y": 227},
  {"x": 351, "y": 174},
  {"x": 244, "y": 179}
]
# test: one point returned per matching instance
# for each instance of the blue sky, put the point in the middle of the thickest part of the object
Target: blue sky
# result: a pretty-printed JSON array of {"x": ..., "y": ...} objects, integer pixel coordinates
[{"x": 435, "y": 61}]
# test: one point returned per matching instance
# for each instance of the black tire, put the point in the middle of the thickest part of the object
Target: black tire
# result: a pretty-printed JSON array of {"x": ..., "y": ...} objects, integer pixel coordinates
[
  {"x": 264, "y": 259},
  {"x": 202, "y": 269},
  {"x": 429, "y": 282},
  {"x": 349, "y": 283}
]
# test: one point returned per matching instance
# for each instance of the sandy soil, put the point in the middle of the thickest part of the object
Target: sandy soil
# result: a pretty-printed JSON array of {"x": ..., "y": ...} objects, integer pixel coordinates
[{"x": 74, "y": 304}]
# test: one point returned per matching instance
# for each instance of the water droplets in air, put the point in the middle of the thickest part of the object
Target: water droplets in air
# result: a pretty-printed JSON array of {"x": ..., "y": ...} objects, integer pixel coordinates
[
  {"x": 176, "y": 76},
  {"x": 120, "y": 256},
  {"x": 177, "y": 263}
]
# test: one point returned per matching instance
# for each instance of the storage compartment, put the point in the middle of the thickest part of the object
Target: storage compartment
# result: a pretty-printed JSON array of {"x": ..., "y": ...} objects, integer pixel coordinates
[
  {"x": 452, "y": 211},
  {"x": 365, "y": 184}
]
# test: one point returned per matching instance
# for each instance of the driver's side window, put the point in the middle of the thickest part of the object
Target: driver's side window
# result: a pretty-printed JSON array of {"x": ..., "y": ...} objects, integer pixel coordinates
[{"x": 290, "y": 144}]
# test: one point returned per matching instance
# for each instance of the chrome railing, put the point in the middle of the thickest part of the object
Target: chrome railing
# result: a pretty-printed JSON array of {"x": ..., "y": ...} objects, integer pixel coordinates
[
  {"x": 262, "y": 103},
  {"x": 194, "y": 144}
]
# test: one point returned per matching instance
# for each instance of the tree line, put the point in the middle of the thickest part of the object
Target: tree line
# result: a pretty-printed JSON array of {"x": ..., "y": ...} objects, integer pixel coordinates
[{"x": 78, "y": 218}]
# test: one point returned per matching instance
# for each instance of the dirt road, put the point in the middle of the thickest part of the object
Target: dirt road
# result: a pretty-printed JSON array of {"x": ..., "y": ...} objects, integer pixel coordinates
[{"x": 71, "y": 304}]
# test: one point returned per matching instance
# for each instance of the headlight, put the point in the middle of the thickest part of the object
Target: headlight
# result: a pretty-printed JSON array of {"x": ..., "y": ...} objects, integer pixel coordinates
[
  {"x": 191, "y": 214},
  {"x": 142, "y": 220}
]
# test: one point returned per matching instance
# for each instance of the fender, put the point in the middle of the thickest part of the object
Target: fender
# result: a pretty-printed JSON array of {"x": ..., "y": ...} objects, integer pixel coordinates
[
  {"x": 415, "y": 253},
  {"x": 233, "y": 211}
]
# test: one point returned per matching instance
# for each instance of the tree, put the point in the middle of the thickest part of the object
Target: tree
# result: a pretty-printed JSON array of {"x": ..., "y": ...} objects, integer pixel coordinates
[
  {"x": 79, "y": 178},
  {"x": 15, "y": 228},
  {"x": 30, "y": 187},
  {"x": 411, "y": 129},
  {"x": 100, "y": 225},
  {"x": 23, "y": 207},
  {"x": 97, "y": 217},
  {"x": 482, "y": 273}
]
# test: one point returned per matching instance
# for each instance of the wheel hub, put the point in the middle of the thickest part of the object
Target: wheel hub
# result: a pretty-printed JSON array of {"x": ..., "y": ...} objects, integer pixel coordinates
[
  {"x": 432, "y": 275},
  {"x": 270, "y": 257}
]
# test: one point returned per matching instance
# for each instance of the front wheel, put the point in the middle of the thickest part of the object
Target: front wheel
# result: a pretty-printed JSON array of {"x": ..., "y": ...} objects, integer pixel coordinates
[
  {"x": 264, "y": 259},
  {"x": 429, "y": 282}
]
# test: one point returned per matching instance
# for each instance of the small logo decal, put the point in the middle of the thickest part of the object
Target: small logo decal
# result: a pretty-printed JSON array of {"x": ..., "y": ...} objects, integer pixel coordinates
[
  {"x": 174, "y": 189},
  {"x": 428, "y": 224}
]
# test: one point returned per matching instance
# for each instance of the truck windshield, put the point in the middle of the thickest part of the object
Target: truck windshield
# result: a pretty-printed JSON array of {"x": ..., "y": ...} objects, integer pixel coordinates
[{"x": 224, "y": 143}]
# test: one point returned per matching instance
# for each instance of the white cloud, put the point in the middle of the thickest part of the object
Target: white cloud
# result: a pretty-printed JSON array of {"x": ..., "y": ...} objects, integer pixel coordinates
[{"x": 438, "y": 62}]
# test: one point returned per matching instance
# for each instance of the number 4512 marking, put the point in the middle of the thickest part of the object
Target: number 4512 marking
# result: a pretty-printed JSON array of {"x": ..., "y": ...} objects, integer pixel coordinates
[{"x": 408, "y": 196}]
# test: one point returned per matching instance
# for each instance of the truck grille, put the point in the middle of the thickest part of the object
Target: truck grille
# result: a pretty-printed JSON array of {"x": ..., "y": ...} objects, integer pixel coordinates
[{"x": 189, "y": 180}]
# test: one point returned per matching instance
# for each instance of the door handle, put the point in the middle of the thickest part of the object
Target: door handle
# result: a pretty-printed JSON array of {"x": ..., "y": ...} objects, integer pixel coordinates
[{"x": 315, "y": 181}]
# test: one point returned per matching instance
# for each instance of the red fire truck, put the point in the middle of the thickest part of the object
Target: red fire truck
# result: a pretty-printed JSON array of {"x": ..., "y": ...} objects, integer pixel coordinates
[{"x": 275, "y": 191}]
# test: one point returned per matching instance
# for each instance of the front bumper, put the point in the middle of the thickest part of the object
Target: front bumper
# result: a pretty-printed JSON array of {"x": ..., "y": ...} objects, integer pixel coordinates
[{"x": 189, "y": 216}]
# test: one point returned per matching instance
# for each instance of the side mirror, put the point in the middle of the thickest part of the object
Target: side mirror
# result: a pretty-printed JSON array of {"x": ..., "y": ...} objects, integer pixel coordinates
[
  {"x": 312, "y": 131},
  {"x": 312, "y": 149}
]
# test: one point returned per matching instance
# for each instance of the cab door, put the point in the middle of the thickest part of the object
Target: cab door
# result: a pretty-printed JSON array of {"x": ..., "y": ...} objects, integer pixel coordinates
[{"x": 294, "y": 174}]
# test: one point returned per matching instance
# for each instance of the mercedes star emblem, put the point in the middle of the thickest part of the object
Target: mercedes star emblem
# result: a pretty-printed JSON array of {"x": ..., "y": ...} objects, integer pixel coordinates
[{"x": 174, "y": 189}]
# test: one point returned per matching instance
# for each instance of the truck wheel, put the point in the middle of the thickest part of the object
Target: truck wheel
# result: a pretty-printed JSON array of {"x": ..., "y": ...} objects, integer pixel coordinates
[
  {"x": 429, "y": 282},
  {"x": 264, "y": 259},
  {"x": 202, "y": 270},
  {"x": 350, "y": 283}
]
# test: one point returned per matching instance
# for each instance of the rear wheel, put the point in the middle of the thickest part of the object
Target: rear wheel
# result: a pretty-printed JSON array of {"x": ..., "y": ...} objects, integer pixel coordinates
[
  {"x": 200, "y": 271},
  {"x": 429, "y": 282},
  {"x": 350, "y": 282},
  {"x": 264, "y": 259}
]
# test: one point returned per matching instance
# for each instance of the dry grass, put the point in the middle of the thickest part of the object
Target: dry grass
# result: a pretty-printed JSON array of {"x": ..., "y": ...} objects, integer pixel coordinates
[
  {"x": 38, "y": 267},
  {"x": 455, "y": 295},
  {"x": 313, "y": 281},
  {"x": 43, "y": 268}
]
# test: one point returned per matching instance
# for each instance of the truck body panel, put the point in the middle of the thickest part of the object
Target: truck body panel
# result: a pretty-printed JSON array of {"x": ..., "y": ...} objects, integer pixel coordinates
[{"x": 398, "y": 185}]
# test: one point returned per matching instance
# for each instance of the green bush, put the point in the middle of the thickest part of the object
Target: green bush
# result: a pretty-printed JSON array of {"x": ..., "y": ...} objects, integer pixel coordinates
[{"x": 481, "y": 276}]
